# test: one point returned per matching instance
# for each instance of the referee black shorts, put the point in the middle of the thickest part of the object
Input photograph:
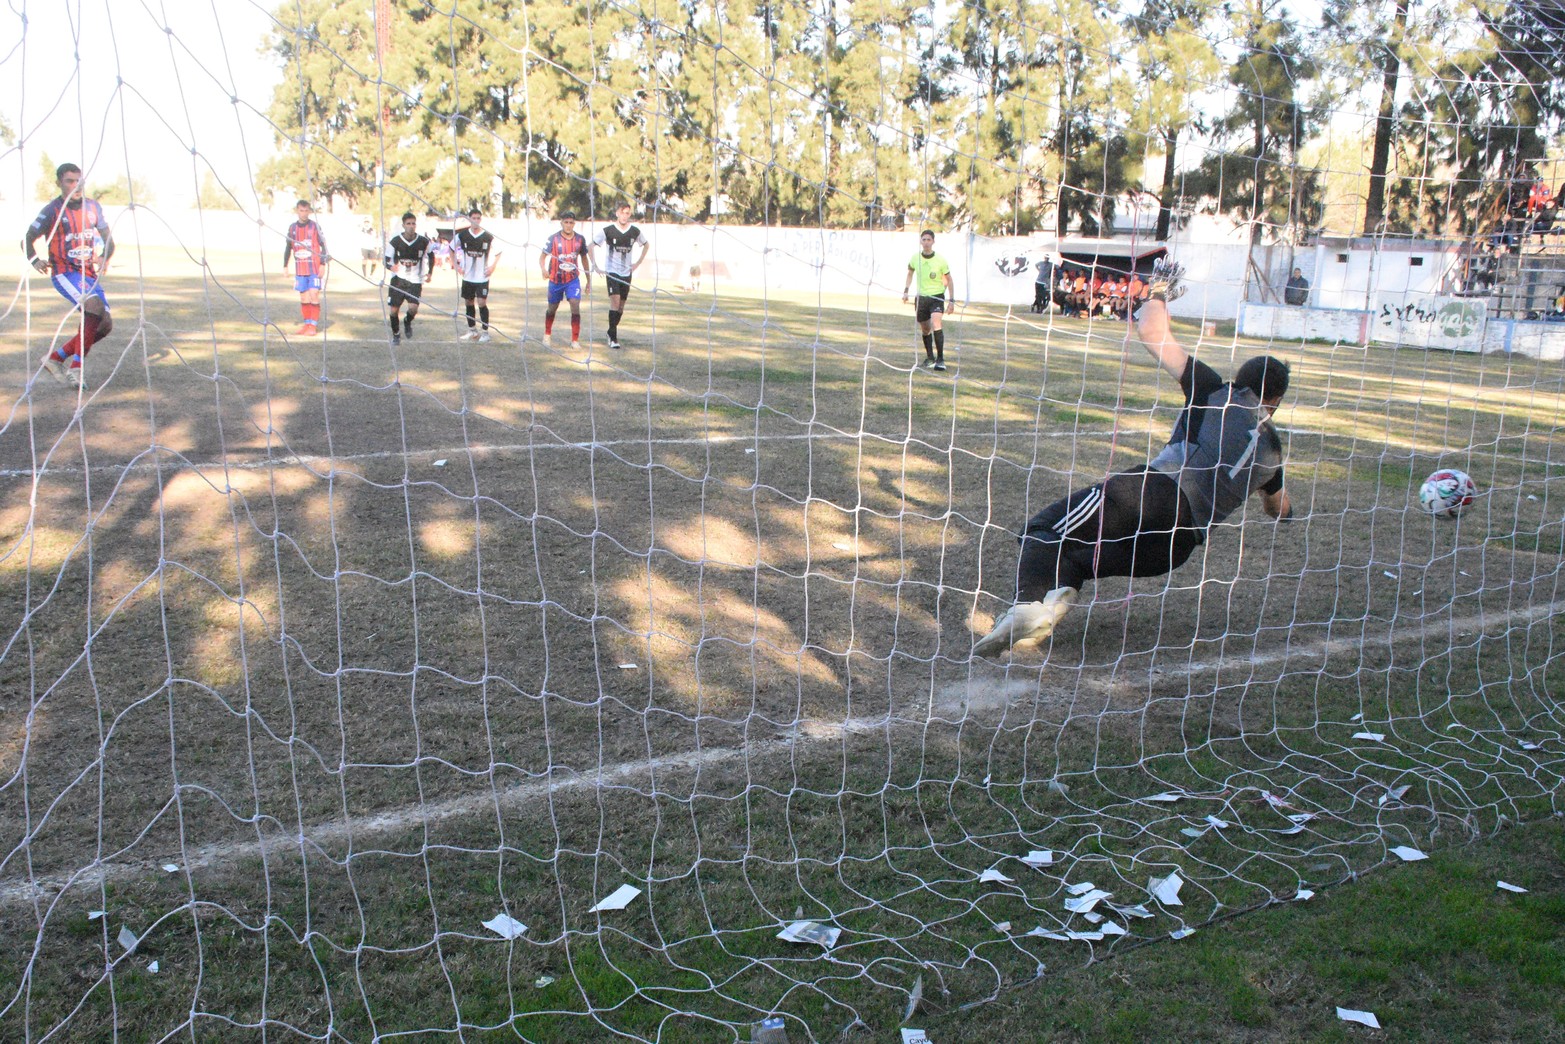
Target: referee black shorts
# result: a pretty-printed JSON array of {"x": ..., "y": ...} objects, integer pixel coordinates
[
  {"x": 1135, "y": 523},
  {"x": 928, "y": 306},
  {"x": 619, "y": 286}
]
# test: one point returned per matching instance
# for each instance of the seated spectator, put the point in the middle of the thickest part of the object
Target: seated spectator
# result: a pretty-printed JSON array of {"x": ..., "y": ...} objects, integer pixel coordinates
[{"x": 1297, "y": 291}]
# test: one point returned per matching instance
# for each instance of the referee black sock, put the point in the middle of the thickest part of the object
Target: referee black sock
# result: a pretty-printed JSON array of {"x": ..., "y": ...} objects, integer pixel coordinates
[
  {"x": 472, "y": 311},
  {"x": 929, "y": 345},
  {"x": 614, "y": 323},
  {"x": 407, "y": 325},
  {"x": 483, "y": 316},
  {"x": 396, "y": 324},
  {"x": 940, "y": 346}
]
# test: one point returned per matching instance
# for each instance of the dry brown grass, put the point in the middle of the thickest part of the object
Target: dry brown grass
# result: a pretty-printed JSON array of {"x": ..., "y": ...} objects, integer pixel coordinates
[{"x": 246, "y": 603}]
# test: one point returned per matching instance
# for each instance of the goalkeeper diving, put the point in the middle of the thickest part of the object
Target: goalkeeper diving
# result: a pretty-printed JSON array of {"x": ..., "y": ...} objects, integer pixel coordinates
[{"x": 1148, "y": 521}]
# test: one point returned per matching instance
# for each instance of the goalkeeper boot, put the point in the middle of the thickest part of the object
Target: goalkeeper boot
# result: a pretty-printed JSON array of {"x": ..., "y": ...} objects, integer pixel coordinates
[{"x": 1027, "y": 622}]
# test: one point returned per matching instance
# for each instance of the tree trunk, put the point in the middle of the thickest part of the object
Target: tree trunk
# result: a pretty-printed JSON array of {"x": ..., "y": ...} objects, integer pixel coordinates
[
  {"x": 1391, "y": 67},
  {"x": 1165, "y": 202}
]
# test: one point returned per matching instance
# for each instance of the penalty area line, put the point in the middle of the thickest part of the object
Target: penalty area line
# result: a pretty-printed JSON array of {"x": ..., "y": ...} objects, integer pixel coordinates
[{"x": 315, "y": 837}]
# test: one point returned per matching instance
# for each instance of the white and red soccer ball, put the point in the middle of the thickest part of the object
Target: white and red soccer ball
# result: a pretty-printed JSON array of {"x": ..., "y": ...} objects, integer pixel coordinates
[{"x": 1446, "y": 492}]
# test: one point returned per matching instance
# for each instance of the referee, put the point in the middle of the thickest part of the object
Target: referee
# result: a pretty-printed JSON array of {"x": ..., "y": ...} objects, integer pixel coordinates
[{"x": 934, "y": 290}]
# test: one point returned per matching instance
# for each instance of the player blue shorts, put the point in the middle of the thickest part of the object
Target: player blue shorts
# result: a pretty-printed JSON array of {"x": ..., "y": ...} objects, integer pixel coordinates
[
  {"x": 76, "y": 288},
  {"x": 565, "y": 291},
  {"x": 304, "y": 284}
]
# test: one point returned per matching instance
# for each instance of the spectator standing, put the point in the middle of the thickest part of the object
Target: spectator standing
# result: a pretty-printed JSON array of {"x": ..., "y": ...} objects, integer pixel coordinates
[{"x": 1297, "y": 290}]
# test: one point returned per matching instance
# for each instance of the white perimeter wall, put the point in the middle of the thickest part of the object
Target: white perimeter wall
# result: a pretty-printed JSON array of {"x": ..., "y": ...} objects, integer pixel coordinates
[{"x": 750, "y": 260}]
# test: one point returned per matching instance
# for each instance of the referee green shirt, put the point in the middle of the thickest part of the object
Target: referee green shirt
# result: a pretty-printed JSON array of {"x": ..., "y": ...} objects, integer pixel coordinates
[{"x": 929, "y": 274}]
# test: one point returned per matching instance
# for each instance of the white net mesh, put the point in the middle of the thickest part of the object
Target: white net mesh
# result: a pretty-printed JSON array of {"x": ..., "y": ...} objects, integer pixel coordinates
[{"x": 331, "y": 661}]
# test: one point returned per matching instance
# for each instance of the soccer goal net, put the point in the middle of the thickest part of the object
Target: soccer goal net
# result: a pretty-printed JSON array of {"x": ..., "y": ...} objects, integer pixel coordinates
[{"x": 592, "y": 656}]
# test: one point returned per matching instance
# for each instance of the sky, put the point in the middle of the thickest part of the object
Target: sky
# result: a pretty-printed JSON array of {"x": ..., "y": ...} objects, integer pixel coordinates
[{"x": 103, "y": 84}]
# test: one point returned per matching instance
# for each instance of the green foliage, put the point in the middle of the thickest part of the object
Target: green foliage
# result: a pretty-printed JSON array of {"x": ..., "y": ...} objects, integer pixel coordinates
[
  {"x": 122, "y": 191},
  {"x": 47, "y": 186},
  {"x": 1004, "y": 116},
  {"x": 1258, "y": 175},
  {"x": 214, "y": 195}
]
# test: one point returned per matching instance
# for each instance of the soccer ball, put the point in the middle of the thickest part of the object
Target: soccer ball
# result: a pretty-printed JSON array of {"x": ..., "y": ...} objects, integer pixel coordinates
[{"x": 1446, "y": 492}]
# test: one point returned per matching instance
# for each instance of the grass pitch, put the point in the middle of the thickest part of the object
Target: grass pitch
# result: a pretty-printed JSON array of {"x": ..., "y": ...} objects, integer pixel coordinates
[{"x": 373, "y": 643}]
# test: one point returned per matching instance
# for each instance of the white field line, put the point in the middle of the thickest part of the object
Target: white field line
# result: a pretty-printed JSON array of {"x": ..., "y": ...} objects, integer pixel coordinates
[{"x": 359, "y": 832}]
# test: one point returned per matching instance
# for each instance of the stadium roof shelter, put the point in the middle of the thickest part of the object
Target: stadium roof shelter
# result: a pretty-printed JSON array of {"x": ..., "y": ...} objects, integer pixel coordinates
[{"x": 1116, "y": 255}]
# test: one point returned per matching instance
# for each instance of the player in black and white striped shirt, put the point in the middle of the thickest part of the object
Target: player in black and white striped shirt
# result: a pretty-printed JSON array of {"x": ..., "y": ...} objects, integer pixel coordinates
[
  {"x": 620, "y": 239},
  {"x": 411, "y": 259}
]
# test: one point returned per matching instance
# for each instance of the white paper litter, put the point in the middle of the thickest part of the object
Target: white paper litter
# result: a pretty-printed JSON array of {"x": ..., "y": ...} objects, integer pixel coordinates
[
  {"x": 1166, "y": 889},
  {"x": 1363, "y": 1018},
  {"x": 1085, "y": 903},
  {"x": 153, "y": 967},
  {"x": 1084, "y": 936},
  {"x": 1525, "y": 745},
  {"x": 618, "y": 899},
  {"x": 914, "y": 1036},
  {"x": 1003, "y": 927},
  {"x": 1110, "y": 928},
  {"x": 1464, "y": 572},
  {"x": 93, "y": 915},
  {"x": 1302, "y": 817},
  {"x": 440, "y": 463},
  {"x": 1041, "y": 932},
  {"x": 1093, "y": 918},
  {"x": 1037, "y": 857},
  {"x": 128, "y": 939},
  {"x": 1138, "y": 910},
  {"x": 1394, "y": 794},
  {"x": 1057, "y": 787},
  {"x": 1168, "y": 797},
  {"x": 986, "y": 780},
  {"x": 842, "y": 547},
  {"x": 1193, "y": 832},
  {"x": 172, "y": 868},
  {"x": 1357, "y": 717},
  {"x": 1389, "y": 573},
  {"x": 1373, "y": 737},
  {"x": 1182, "y": 933},
  {"x": 543, "y": 980},
  {"x": 1220, "y": 824},
  {"x": 1408, "y": 855},
  {"x": 915, "y": 995},
  {"x": 1297, "y": 828},
  {"x": 1080, "y": 889},
  {"x": 505, "y": 926},
  {"x": 1302, "y": 895},
  {"x": 749, "y": 449},
  {"x": 628, "y": 666},
  {"x": 1532, "y": 496},
  {"x": 993, "y": 876},
  {"x": 810, "y": 932},
  {"x": 1274, "y": 801},
  {"x": 1505, "y": 886}
]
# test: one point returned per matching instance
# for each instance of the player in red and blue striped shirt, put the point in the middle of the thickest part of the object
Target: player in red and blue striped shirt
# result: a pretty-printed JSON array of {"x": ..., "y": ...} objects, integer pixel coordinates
[
  {"x": 306, "y": 244},
  {"x": 76, "y": 232},
  {"x": 565, "y": 263}
]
